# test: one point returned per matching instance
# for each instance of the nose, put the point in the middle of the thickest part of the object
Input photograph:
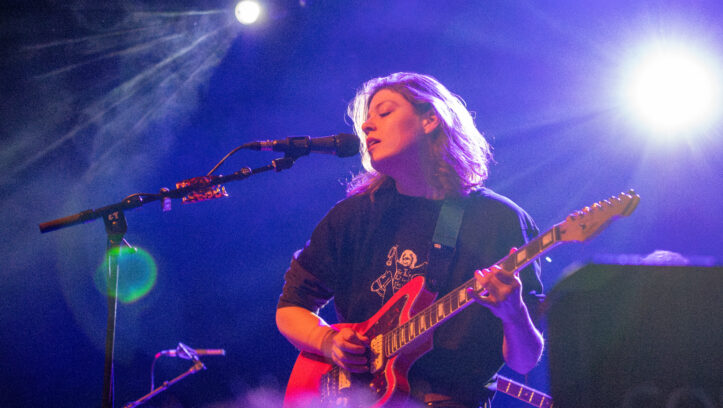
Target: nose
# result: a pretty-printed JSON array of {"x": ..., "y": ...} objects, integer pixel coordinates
[{"x": 368, "y": 126}]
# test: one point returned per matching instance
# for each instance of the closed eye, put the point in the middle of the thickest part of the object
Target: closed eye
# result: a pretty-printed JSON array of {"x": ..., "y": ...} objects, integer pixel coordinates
[{"x": 385, "y": 114}]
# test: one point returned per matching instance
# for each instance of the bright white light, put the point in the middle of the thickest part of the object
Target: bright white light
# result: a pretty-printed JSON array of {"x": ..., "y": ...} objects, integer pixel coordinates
[
  {"x": 247, "y": 12},
  {"x": 673, "y": 90}
]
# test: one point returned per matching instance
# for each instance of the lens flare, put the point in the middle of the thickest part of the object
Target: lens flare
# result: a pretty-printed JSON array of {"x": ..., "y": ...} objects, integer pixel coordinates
[{"x": 137, "y": 275}]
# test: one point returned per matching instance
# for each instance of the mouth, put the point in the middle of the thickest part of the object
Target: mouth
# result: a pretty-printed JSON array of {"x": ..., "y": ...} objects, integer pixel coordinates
[{"x": 371, "y": 142}]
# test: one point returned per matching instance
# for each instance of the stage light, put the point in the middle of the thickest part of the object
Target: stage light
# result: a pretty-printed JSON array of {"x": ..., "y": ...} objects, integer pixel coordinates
[
  {"x": 673, "y": 90},
  {"x": 247, "y": 12}
]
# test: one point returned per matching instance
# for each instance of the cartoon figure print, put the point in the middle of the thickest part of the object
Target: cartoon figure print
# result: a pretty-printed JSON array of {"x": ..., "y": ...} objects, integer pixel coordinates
[{"x": 399, "y": 270}]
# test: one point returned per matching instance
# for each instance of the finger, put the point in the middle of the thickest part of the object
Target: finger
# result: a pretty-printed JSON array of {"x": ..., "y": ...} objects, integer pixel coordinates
[
  {"x": 352, "y": 359},
  {"x": 353, "y": 337},
  {"x": 351, "y": 362},
  {"x": 482, "y": 276},
  {"x": 351, "y": 348},
  {"x": 513, "y": 250},
  {"x": 482, "y": 280},
  {"x": 481, "y": 299},
  {"x": 353, "y": 366},
  {"x": 502, "y": 278}
]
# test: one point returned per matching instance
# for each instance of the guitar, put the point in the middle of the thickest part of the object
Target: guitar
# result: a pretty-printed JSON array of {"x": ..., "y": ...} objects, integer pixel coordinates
[
  {"x": 401, "y": 331},
  {"x": 523, "y": 393}
]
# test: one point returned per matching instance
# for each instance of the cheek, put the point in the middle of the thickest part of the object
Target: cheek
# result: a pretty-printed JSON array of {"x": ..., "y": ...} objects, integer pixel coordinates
[{"x": 409, "y": 134}]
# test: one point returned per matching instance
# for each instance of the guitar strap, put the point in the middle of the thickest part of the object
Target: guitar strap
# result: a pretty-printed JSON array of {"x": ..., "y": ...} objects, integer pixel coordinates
[{"x": 444, "y": 241}]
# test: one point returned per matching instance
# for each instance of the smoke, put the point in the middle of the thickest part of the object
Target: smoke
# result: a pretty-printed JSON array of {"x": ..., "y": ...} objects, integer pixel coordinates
[
  {"x": 113, "y": 73},
  {"x": 94, "y": 95}
]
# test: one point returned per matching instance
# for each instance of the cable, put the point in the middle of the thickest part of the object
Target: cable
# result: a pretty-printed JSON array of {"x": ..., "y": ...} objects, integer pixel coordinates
[
  {"x": 153, "y": 365},
  {"x": 243, "y": 146}
]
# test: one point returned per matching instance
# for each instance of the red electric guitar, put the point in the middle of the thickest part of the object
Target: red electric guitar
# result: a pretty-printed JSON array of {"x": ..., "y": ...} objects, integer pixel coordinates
[{"x": 401, "y": 331}]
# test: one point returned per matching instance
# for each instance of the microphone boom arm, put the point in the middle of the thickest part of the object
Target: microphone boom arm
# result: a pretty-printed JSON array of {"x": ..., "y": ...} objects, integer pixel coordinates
[{"x": 139, "y": 199}]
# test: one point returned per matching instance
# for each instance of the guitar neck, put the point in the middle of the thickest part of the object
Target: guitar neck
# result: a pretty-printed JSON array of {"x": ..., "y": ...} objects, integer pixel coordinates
[
  {"x": 455, "y": 301},
  {"x": 523, "y": 393}
]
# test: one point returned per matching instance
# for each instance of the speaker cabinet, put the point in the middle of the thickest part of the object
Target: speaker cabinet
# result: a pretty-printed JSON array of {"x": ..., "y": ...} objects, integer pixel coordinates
[{"x": 636, "y": 336}]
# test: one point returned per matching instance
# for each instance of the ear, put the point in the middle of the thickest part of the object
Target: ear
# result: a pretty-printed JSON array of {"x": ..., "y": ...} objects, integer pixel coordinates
[{"x": 430, "y": 121}]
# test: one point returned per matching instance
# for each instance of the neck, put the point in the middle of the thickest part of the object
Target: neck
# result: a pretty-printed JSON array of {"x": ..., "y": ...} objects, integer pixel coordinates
[{"x": 417, "y": 187}]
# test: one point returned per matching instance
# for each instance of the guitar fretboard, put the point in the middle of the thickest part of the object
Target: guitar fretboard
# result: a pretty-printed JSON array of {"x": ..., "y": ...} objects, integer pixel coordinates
[
  {"x": 523, "y": 393},
  {"x": 458, "y": 299}
]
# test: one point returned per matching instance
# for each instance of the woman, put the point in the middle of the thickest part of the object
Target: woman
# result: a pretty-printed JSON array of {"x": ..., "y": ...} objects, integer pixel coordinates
[{"x": 419, "y": 147}]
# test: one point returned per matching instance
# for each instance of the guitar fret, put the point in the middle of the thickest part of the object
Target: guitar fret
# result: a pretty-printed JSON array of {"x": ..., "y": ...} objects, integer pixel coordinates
[
  {"x": 520, "y": 257},
  {"x": 523, "y": 393},
  {"x": 548, "y": 238}
]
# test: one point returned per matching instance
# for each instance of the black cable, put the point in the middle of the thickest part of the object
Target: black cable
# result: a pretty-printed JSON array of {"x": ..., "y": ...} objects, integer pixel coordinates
[{"x": 243, "y": 146}]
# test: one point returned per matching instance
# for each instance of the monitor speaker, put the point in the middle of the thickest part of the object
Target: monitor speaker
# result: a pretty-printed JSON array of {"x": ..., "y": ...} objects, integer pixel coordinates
[{"x": 637, "y": 336}]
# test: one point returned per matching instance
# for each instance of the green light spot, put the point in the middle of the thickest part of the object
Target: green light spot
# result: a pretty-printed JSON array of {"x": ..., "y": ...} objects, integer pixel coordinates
[{"x": 137, "y": 274}]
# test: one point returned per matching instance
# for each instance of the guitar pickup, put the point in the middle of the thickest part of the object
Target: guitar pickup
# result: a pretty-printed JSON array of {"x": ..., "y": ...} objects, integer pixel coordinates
[{"x": 376, "y": 354}]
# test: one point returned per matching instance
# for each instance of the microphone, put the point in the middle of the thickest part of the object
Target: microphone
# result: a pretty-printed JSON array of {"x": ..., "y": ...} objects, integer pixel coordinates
[
  {"x": 187, "y": 353},
  {"x": 342, "y": 145}
]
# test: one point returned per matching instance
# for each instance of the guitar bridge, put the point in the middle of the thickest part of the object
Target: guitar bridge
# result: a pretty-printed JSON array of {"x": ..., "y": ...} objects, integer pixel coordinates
[{"x": 376, "y": 354}]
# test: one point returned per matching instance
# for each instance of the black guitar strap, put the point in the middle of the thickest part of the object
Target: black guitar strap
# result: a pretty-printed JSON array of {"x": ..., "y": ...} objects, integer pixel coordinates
[{"x": 444, "y": 241}]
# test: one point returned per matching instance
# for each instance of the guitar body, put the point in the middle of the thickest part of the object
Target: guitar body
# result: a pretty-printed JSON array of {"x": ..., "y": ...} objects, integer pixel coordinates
[{"x": 316, "y": 382}]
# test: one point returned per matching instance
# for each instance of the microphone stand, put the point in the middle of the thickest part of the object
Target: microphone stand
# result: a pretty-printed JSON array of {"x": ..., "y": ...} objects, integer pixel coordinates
[
  {"x": 197, "y": 366},
  {"x": 116, "y": 227}
]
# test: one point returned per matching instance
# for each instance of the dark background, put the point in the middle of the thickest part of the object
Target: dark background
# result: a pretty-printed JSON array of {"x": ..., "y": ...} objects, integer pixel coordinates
[{"x": 104, "y": 99}]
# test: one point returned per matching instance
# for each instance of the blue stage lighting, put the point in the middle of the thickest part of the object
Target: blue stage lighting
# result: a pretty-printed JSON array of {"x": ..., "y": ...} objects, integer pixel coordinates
[
  {"x": 247, "y": 12},
  {"x": 673, "y": 90}
]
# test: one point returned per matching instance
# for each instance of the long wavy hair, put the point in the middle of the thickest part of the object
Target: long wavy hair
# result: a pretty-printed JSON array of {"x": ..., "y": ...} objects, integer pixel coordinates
[{"x": 459, "y": 154}]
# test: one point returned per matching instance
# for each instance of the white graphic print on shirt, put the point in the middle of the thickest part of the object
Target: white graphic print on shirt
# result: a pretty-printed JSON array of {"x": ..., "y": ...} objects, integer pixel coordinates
[{"x": 399, "y": 270}]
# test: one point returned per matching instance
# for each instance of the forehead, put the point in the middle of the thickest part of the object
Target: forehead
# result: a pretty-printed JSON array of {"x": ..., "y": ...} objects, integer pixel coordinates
[{"x": 384, "y": 95}]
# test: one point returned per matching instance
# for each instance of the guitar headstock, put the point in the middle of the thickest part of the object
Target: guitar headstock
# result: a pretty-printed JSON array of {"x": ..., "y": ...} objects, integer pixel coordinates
[{"x": 590, "y": 221}]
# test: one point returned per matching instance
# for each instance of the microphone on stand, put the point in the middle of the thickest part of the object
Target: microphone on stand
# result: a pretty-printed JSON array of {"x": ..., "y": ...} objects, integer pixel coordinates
[
  {"x": 187, "y": 353},
  {"x": 342, "y": 145}
]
